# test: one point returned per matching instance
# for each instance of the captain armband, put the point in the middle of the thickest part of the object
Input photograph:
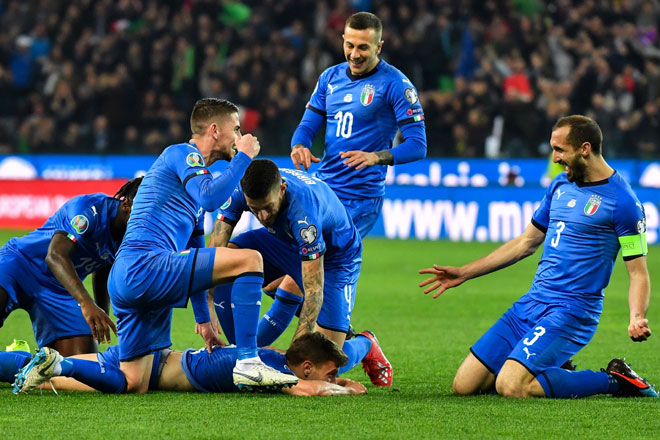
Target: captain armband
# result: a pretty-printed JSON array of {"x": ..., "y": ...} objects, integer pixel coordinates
[{"x": 633, "y": 246}]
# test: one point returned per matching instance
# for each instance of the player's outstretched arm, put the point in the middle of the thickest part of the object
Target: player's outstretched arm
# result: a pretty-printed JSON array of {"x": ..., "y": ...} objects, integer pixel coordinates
[
  {"x": 312, "y": 275},
  {"x": 446, "y": 277},
  {"x": 301, "y": 155},
  {"x": 323, "y": 388},
  {"x": 60, "y": 264},
  {"x": 639, "y": 295}
]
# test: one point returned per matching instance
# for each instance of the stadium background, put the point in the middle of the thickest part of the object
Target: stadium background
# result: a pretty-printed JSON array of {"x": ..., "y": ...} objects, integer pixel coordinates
[{"x": 91, "y": 91}]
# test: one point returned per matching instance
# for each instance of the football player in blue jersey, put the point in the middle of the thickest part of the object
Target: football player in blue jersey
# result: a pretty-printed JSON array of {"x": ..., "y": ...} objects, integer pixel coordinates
[
  {"x": 303, "y": 220},
  {"x": 588, "y": 214},
  {"x": 43, "y": 272},
  {"x": 363, "y": 103},
  {"x": 162, "y": 261},
  {"x": 313, "y": 358}
]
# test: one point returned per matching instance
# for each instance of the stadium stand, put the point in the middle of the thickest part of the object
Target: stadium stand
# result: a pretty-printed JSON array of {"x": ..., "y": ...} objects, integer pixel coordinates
[{"x": 120, "y": 76}]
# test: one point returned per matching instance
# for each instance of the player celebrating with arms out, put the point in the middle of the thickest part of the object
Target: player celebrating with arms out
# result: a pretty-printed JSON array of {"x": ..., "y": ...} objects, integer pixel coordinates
[
  {"x": 587, "y": 215},
  {"x": 43, "y": 272}
]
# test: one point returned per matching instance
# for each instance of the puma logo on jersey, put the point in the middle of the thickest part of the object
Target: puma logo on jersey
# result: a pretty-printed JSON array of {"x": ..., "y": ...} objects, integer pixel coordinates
[
  {"x": 559, "y": 193},
  {"x": 332, "y": 89},
  {"x": 94, "y": 210},
  {"x": 526, "y": 350},
  {"x": 304, "y": 222}
]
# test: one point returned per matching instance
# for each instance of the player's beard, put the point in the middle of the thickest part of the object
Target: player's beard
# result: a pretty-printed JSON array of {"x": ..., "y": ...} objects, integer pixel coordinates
[{"x": 576, "y": 171}]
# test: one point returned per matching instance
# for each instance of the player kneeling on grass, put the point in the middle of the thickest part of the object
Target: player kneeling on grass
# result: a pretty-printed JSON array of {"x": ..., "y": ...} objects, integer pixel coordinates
[
  {"x": 313, "y": 358},
  {"x": 587, "y": 215},
  {"x": 42, "y": 272},
  {"x": 308, "y": 235}
]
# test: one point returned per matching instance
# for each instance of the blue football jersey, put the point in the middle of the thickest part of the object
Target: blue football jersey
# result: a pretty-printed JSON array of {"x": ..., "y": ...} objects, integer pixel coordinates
[
  {"x": 173, "y": 196},
  {"x": 362, "y": 113},
  {"x": 586, "y": 224},
  {"x": 312, "y": 218},
  {"x": 212, "y": 372},
  {"x": 85, "y": 220}
]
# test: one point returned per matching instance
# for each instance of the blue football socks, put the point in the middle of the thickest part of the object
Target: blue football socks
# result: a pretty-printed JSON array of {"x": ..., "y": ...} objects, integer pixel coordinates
[
  {"x": 356, "y": 349},
  {"x": 105, "y": 377},
  {"x": 278, "y": 317},
  {"x": 11, "y": 362},
  {"x": 246, "y": 305},
  {"x": 222, "y": 303},
  {"x": 565, "y": 384}
]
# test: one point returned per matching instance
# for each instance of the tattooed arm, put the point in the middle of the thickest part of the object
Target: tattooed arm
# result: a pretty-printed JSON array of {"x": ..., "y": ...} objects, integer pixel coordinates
[
  {"x": 312, "y": 275},
  {"x": 221, "y": 234}
]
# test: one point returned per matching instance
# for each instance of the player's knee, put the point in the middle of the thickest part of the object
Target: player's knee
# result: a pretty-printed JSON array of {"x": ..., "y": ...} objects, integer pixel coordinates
[
  {"x": 253, "y": 261},
  {"x": 512, "y": 388},
  {"x": 135, "y": 385},
  {"x": 462, "y": 387}
]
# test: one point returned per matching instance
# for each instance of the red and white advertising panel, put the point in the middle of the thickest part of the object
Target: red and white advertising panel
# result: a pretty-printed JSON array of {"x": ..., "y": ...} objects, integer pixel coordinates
[{"x": 27, "y": 204}]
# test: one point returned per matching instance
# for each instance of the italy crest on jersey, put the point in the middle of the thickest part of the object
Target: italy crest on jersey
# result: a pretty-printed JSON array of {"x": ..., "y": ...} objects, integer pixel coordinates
[
  {"x": 592, "y": 205},
  {"x": 80, "y": 223},
  {"x": 367, "y": 96},
  {"x": 195, "y": 160}
]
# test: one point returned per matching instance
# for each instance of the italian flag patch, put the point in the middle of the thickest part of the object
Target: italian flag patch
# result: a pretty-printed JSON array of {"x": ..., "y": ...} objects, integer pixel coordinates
[
  {"x": 72, "y": 237},
  {"x": 186, "y": 252},
  {"x": 418, "y": 118}
]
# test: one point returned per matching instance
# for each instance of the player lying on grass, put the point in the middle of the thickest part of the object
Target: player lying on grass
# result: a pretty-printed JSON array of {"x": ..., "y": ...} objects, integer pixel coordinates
[
  {"x": 587, "y": 215},
  {"x": 313, "y": 358},
  {"x": 308, "y": 235},
  {"x": 43, "y": 272}
]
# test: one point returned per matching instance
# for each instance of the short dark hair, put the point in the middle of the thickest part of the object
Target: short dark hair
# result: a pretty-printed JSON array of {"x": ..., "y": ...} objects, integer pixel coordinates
[
  {"x": 129, "y": 189},
  {"x": 582, "y": 129},
  {"x": 208, "y": 109},
  {"x": 261, "y": 176},
  {"x": 366, "y": 20},
  {"x": 317, "y": 348}
]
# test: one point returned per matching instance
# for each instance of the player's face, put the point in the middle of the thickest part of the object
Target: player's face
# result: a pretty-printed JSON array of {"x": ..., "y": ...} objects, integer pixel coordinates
[
  {"x": 226, "y": 133},
  {"x": 564, "y": 154},
  {"x": 326, "y": 372},
  {"x": 361, "y": 49},
  {"x": 267, "y": 209}
]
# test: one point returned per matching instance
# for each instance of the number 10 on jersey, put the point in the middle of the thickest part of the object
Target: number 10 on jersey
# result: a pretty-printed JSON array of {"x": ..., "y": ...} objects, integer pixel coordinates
[{"x": 344, "y": 124}]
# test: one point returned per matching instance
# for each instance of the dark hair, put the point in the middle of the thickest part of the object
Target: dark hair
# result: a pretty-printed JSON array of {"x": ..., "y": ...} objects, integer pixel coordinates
[
  {"x": 317, "y": 348},
  {"x": 366, "y": 20},
  {"x": 260, "y": 178},
  {"x": 208, "y": 109},
  {"x": 582, "y": 129},
  {"x": 129, "y": 189}
]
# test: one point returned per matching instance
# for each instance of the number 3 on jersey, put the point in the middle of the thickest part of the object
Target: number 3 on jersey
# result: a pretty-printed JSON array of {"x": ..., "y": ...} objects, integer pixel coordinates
[
  {"x": 558, "y": 230},
  {"x": 344, "y": 124}
]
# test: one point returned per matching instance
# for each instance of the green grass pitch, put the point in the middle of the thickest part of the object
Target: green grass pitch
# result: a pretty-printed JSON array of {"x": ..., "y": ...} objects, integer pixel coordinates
[{"x": 425, "y": 340}]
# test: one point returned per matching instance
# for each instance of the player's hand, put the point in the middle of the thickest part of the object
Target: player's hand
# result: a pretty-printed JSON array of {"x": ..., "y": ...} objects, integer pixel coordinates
[
  {"x": 210, "y": 337},
  {"x": 354, "y": 387},
  {"x": 444, "y": 277},
  {"x": 249, "y": 145},
  {"x": 301, "y": 155},
  {"x": 99, "y": 322},
  {"x": 639, "y": 330},
  {"x": 359, "y": 159}
]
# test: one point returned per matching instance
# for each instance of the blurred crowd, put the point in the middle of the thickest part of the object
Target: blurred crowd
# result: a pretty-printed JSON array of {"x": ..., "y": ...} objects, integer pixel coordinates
[{"x": 121, "y": 76}]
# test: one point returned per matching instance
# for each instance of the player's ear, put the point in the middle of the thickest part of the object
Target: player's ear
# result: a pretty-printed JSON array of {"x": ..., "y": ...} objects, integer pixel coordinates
[
  {"x": 307, "y": 367},
  {"x": 585, "y": 149},
  {"x": 380, "y": 47}
]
